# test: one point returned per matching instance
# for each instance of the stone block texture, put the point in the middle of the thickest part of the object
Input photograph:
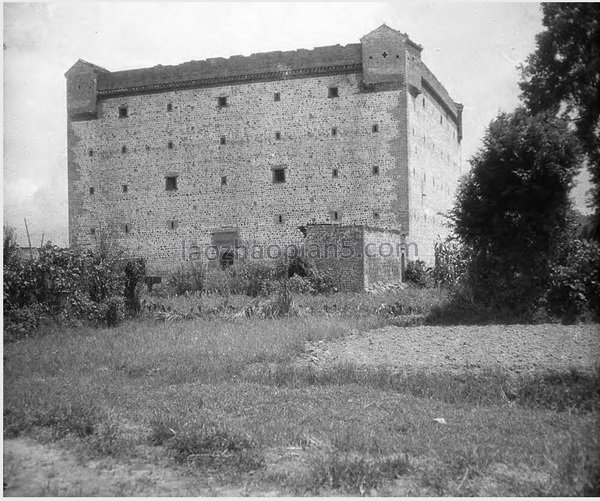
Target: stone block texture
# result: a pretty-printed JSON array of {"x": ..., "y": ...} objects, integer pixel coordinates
[{"x": 164, "y": 160}]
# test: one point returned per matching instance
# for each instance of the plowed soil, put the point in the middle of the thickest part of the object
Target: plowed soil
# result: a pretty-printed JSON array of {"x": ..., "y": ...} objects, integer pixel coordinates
[{"x": 518, "y": 348}]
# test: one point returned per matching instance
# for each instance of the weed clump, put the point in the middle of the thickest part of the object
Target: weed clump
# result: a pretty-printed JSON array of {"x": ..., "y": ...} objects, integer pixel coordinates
[
  {"x": 355, "y": 475},
  {"x": 206, "y": 444}
]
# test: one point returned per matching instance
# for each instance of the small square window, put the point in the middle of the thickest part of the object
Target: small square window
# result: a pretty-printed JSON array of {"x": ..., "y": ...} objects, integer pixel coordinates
[
  {"x": 92, "y": 231},
  {"x": 278, "y": 136},
  {"x": 123, "y": 112},
  {"x": 223, "y": 180},
  {"x": 170, "y": 145},
  {"x": 123, "y": 149},
  {"x": 91, "y": 153},
  {"x": 334, "y": 173},
  {"x": 376, "y": 170},
  {"x": 334, "y": 131},
  {"x": 169, "y": 107},
  {"x": 375, "y": 128},
  {"x": 279, "y": 175},
  {"x": 171, "y": 183},
  {"x": 375, "y": 215},
  {"x": 222, "y": 102},
  {"x": 91, "y": 190},
  {"x": 125, "y": 188},
  {"x": 333, "y": 92},
  {"x": 277, "y": 96},
  {"x": 222, "y": 140}
]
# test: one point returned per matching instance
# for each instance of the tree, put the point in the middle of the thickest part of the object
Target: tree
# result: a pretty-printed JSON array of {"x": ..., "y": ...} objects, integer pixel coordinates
[
  {"x": 512, "y": 209},
  {"x": 10, "y": 243},
  {"x": 563, "y": 77}
]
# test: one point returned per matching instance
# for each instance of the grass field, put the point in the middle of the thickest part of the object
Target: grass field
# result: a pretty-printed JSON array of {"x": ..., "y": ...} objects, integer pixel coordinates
[{"x": 224, "y": 404}]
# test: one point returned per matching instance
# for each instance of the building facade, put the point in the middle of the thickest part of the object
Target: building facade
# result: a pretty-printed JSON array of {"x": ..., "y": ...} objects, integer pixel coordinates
[{"x": 172, "y": 161}]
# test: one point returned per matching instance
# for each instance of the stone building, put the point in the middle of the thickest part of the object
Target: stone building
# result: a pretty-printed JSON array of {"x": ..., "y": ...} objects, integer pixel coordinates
[{"x": 264, "y": 151}]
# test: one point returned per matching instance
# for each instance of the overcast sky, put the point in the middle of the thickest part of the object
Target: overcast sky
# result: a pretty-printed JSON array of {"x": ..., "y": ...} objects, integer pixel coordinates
[{"x": 473, "y": 48}]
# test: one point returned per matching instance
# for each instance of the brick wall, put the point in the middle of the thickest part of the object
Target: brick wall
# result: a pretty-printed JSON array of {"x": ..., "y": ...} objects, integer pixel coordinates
[
  {"x": 324, "y": 173},
  {"x": 434, "y": 168},
  {"x": 354, "y": 159},
  {"x": 339, "y": 251},
  {"x": 382, "y": 255}
]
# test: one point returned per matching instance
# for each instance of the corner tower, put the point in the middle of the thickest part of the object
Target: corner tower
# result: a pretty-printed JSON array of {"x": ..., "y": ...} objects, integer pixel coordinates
[{"x": 385, "y": 56}]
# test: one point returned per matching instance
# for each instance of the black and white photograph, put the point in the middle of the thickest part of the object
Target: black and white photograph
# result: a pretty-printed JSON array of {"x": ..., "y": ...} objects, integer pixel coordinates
[{"x": 301, "y": 249}]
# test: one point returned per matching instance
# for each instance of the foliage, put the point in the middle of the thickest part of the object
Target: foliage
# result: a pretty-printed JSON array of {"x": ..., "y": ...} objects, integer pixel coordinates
[
  {"x": 321, "y": 279},
  {"x": 563, "y": 77},
  {"x": 512, "y": 208},
  {"x": 354, "y": 475},
  {"x": 574, "y": 285},
  {"x": 419, "y": 274},
  {"x": 451, "y": 261},
  {"x": 71, "y": 286},
  {"x": 9, "y": 243},
  {"x": 253, "y": 278},
  {"x": 135, "y": 273},
  {"x": 300, "y": 285},
  {"x": 187, "y": 279},
  {"x": 206, "y": 444}
]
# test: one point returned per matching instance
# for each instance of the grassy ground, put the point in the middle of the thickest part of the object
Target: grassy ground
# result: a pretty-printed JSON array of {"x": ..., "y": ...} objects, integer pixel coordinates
[{"x": 187, "y": 392}]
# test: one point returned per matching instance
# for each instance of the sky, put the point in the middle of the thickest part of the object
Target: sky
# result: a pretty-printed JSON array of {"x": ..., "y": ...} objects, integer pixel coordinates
[{"x": 473, "y": 48}]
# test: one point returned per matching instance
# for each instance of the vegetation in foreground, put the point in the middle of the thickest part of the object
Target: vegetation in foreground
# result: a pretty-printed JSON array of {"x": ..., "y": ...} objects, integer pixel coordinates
[{"x": 202, "y": 393}]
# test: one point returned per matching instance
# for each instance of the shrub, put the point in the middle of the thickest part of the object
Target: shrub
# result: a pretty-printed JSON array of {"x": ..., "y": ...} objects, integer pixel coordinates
[
  {"x": 574, "y": 285},
  {"x": 418, "y": 273},
  {"x": 451, "y": 261},
  {"x": 187, "y": 279},
  {"x": 321, "y": 279},
  {"x": 255, "y": 278},
  {"x": 71, "y": 286},
  {"x": 300, "y": 285},
  {"x": 135, "y": 273},
  {"x": 20, "y": 322}
]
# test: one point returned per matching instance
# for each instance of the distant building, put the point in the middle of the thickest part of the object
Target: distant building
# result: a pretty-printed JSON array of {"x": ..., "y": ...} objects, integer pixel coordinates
[{"x": 170, "y": 160}]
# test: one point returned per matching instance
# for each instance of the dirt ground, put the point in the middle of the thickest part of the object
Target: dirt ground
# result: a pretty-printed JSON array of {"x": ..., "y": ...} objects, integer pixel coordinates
[
  {"x": 518, "y": 348},
  {"x": 33, "y": 469}
]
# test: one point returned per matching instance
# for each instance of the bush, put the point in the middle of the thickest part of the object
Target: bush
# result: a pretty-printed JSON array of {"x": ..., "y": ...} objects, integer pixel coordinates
[
  {"x": 135, "y": 273},
  {"x": 574, "y": 285},
  {"x": 320, "y": 280},
  {"x": 255, "y": 278},
  {"x": 19, "y": 322},
  {"x": 419, "y": 274},
  {"x": 451, "y": 261},
  {"x": 188, "y": 279},
  {"x": 71, "y": 286}
]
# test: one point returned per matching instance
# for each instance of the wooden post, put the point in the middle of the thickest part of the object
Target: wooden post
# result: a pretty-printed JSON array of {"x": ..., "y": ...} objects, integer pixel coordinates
[{"x": 28, "y": 239}]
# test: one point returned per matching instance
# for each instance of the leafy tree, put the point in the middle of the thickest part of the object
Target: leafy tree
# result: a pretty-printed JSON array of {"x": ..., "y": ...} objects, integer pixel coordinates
[
  {"x": 512, "y": 209},
  {"x": 563, "y": 76},
  {"x": 10, "y": 243}
]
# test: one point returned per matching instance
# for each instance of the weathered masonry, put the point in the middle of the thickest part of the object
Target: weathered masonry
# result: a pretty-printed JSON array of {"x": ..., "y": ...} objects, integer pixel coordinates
[{"x": 171, "y": 161}]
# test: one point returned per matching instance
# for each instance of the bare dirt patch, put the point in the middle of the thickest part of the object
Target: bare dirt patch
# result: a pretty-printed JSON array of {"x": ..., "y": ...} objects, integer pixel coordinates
[
  {"x": 34, "y": 469},
  {"x": 519, "y": 348}
]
